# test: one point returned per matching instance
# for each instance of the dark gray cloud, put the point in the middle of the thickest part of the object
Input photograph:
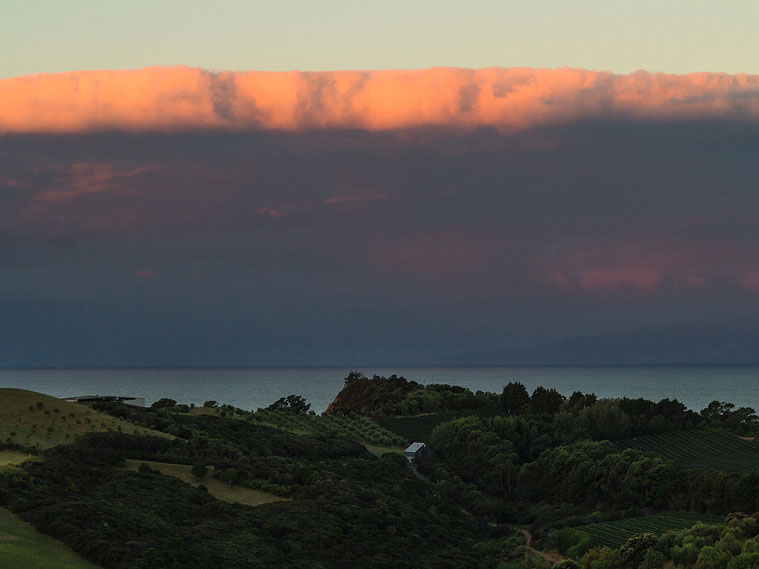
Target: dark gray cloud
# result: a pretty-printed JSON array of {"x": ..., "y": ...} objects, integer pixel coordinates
[{"x": 349, "y": 246}]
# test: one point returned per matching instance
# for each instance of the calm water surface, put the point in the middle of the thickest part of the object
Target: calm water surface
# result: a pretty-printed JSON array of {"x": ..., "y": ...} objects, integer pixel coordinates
[{"x": 258, "y": 387}]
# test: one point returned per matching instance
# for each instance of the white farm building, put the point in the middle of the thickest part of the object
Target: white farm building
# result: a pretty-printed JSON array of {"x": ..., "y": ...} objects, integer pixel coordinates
[{"x": 415, "y": 451}]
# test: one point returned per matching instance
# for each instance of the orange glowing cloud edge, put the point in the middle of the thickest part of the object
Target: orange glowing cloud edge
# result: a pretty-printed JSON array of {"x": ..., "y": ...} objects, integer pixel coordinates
[{"x": 170, "y": 99}]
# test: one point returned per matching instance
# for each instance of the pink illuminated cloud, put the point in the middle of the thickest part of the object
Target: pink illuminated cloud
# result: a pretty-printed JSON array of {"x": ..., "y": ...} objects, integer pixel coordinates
[
  {"x": 145, "y": 274},
  {"x": 273, "y": 212},
  {"x": 750, "y": 281},
  {"x": 82, "y": 178},
  {"x": 11, "y": 182},
  {"x": 509, "y": 99},
  {"x": 649, "y": 266},
  {"x": 618, "y": 277}
]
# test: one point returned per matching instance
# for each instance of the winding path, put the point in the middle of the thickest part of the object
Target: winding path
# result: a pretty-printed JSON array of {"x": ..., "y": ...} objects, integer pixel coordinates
[{"x": 550, "y": 557}]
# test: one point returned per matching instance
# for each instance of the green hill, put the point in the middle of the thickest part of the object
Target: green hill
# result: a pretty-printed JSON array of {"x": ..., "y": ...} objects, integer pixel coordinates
[
  {"x": 700, "y": 449},
  {"x": 33, "y": 419},
  {"x": 22, "y": 546}
]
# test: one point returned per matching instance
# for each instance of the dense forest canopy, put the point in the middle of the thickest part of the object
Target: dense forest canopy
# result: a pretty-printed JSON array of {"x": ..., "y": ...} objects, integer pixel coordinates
[{"x": 609, "y": 418}]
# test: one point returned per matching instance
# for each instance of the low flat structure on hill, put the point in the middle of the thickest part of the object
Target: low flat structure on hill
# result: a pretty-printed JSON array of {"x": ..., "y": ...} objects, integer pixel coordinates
[
  {"x": 93, "y": 398},
  {"x": 415, "y": 451}
]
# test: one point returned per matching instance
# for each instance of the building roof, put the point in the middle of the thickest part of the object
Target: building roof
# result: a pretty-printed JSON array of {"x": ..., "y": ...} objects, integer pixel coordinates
[
  {"x": 414, "y": 447},
  {"x": 96, "y": 396},
  {"x": 91, "y": 398}
]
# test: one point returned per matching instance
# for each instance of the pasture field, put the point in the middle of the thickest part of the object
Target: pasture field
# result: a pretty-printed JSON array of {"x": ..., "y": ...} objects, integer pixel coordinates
[
  {"x": 36, "y": 420},
  {"x": 218, "y": 489},
  {"x": 22, "y": 547},
  {"x": 700, "y": 449},
  {"x": 614, "y": 534}
]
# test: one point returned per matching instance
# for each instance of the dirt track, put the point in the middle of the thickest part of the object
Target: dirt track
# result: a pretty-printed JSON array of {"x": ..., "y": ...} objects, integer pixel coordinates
[{"x": 551, "y": 557}]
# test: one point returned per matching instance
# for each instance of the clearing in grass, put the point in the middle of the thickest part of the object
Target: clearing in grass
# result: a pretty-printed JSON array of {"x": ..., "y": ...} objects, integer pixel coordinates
[
  {"x": 15, "y": 458},
  {"x": 217, "y": 488}
]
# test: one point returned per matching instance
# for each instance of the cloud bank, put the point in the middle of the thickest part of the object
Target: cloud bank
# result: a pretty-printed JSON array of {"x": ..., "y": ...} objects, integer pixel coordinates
[
  {"x": 173, "y": 216},
  {"x": 175, "y": 99}
]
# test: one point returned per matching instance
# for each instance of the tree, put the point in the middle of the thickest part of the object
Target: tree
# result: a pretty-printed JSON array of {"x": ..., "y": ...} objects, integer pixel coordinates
[
  {"x": 354, "y": 377},
  {"x": 745, "y": 561},
  {"x": 579, "y": 401},
  {"x": 504, "y": 469},
  {"x": 163, "y": 403},
  {"x": 199, "y": 470},
  {"x": 514, "y": 397},
  {"x": 637, "y": 547},
  {"x": 653, "y": 560},
  {"x": 712, "y": 558},
  {"x": 566, "y": 564},
  {"x": 744, "y": 420},
  {"x": 291, "y": 404},
  {"x": 545, "y": 400},
  {"x": 229, "y": 476},
  {"x": 604, "y": 421}
]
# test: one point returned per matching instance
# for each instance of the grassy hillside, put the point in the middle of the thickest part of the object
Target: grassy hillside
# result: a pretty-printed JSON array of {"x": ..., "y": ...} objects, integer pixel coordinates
[
  {"x": 233, "y": 495},
  {"x": 698, "y": 449},
  {"x": 21, "y": 546},
  {"x": 614, "y": 534},
  {"x": 37, "y": 420}
]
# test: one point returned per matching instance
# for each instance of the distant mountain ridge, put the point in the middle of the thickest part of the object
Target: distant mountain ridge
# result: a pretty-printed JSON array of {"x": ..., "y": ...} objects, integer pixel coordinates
[{"x": 697, "y": 344}]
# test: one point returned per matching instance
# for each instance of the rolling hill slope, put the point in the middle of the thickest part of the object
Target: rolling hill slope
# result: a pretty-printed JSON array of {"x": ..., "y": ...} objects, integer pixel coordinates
[{"x": 33, "y": 419}]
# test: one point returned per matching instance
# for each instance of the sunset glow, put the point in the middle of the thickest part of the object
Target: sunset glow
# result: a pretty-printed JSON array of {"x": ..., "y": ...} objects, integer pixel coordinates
[
  {"x": 181, "y": 99},
  {"x": 291, "y": 208},
  {"x": 394, "y": 284}
]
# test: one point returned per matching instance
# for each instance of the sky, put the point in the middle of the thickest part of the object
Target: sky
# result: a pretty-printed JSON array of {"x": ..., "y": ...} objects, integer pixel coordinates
[
  {"x": 211, "y": 189},
  {"x": 674, "y": 36}
]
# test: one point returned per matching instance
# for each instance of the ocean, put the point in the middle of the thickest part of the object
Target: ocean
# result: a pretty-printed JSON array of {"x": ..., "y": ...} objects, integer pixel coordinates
[{"x": 695, "y": 386}]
